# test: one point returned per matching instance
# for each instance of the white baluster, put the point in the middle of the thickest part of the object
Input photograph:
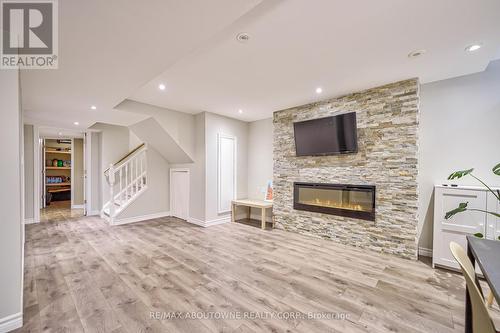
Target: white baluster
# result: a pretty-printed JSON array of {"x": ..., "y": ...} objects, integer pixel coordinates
[
  {"x": 142, "y": 170},
  {"x": 111, "y": 192},
  {"x": 126, "y": 181},
  {"x": 121, "y": 185},
  {"x": 136, "y": 184},
  {"x": 145, "y": 167}
]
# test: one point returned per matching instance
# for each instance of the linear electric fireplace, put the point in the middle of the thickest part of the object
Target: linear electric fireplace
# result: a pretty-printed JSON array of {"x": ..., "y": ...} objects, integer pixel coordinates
[{"x": 357, "y": 201}]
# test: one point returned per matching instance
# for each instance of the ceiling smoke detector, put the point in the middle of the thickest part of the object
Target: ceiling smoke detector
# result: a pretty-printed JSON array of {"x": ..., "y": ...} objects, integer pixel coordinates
[
  {"x": 242, "y": 37},
  {"x": 416, "y": 54}
]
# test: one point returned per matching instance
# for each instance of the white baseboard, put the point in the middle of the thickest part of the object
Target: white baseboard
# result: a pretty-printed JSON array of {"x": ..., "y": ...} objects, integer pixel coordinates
[
  {"x": 225, "y": 219},
  {"x": 209, "y": 223},
  {"x": 193, "y": 220},
  {"x": 425, "y": 252},
  {"x": 11, "y": 322},
  {"x": 140, "y": 218},
  {"x": 93, "y": 212},
  {"x": 77, "y": 206},
  {"x": 30, "y": 220}
]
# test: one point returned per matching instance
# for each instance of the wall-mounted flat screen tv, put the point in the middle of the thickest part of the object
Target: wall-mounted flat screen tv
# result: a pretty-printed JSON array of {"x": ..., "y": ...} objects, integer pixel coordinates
[{"x": 327, "y": 136}]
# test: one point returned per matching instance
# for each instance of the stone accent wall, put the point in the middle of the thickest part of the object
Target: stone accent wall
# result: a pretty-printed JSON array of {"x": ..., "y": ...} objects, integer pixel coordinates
[{"x": 387, "y": 119}]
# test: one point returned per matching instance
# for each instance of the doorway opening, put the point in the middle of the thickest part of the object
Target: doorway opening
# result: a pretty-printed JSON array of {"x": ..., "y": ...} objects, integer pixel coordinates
[{"x": 62, "y": 181}]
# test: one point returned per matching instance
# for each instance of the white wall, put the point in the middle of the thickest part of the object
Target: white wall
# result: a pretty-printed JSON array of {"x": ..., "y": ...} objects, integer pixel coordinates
[
  {"x": 29, "y": 172},
  {"x": 134, "y": 141},
  {"x": 215, "y": 124},
  {"x": 197, "y": 171},
  {"x": 10, "y": 198},
  {"x": 260, "y": 162},
  {"x": 94, "y": 168},
  {"x": 114, "y": 144},
  {"x": 156, "y": 198},
  {"x": 459, "y": 129},
  {"x": 180, "y": 126},
  {"x": 260, "y": 157}
]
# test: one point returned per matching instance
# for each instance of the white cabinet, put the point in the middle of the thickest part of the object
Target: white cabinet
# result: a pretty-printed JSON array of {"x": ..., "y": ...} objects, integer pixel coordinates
[
  {"x": 493, "y": 222},
  {"x": 455, "y": 229}
]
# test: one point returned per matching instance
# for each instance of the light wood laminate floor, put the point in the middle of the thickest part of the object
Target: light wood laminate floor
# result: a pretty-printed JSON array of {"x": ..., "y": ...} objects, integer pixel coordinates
[
  {"x": 59, "y": 211},
  {"x": 83, "y": 275}
]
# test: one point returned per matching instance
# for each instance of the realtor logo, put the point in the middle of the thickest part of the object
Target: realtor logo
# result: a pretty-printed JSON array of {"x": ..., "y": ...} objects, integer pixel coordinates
[{"x": 29, "y": 34}]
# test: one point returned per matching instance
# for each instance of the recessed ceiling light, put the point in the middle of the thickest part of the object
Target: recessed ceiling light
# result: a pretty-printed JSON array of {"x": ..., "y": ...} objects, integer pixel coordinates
[
  {"x": 242, "y": 37},
  {"x": 161, "y": 86},
  {"x": 472, "y": 48},
  {"x": 240, "y": 111},
  {"x": 93, "y": 107},
  {"x": 319, "y": 90},
  {"x": 76, "y": 123},
  {"x": 416, "y": 53}
]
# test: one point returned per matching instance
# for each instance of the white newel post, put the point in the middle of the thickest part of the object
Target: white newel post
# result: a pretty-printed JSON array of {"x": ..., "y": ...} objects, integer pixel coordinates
[{"x": 111, "y": 192}]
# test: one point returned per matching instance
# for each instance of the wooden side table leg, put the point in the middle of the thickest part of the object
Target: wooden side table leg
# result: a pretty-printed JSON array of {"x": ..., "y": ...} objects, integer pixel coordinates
[
  {"x": 263, "y": 219},
  {"x": 233, "y": 211},
  {"x": 489, "y": 302}
]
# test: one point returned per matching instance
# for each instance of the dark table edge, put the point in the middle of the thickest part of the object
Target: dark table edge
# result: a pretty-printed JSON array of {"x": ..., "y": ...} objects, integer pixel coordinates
[{"x": 485, "y": 274}]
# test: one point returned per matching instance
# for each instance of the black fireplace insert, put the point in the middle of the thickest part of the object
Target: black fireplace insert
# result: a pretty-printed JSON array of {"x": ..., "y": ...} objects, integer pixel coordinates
[{"x": 356, "y": 201}]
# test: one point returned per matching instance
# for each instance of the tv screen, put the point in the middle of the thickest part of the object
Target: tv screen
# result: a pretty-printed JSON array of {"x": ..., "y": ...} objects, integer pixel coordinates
[{"x": 327, "y": 136}]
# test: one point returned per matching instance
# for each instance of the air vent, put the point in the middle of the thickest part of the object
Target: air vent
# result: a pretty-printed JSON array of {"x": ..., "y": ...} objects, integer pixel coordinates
[{"x": 416, "y": 54}]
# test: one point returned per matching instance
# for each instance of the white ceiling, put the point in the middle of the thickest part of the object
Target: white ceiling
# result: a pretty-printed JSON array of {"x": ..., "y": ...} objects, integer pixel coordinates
[
  {"x": 341, "y": 46},
  {"x": 108, "y": 49},
  {"x": 113, "y": 50},
  {"x": 58, "y": 133}
]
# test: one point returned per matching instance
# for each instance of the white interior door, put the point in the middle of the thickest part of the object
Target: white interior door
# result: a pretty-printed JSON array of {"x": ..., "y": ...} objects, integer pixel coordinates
[
  {"x": 179, "y": 193},
  {"x": 226, "y": 175}
]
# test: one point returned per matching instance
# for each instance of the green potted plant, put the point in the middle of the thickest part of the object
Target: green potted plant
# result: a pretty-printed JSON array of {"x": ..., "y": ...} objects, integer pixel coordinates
[{"x": 462, "y": 207}]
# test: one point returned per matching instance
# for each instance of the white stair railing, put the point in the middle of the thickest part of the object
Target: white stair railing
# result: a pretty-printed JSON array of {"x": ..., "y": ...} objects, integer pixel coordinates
[{"x": 127, "y": 179}]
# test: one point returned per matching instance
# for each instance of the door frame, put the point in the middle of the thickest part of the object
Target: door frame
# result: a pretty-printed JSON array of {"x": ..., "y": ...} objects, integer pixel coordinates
[
  {"x": 38, "y": 171},
  {"x": 85, "y": 172},
  {"x": 39, "y": 165},
  {"x": 172, "y": 170},
  {"x": 72, "y": 204}
]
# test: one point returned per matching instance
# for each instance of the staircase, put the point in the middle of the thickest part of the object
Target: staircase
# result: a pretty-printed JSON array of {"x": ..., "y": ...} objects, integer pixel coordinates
[{"x": 127, "y": 180}]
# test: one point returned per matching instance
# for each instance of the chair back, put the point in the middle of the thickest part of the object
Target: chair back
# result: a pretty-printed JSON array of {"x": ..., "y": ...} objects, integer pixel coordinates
[{"x": 481, "y": 320}]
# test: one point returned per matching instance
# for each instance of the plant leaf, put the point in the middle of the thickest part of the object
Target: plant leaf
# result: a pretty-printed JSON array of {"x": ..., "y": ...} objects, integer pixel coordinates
[
  {"x": 479, "y": 235},
  {"x": 462, "y": 207},
  {"x": 459, "y": 174},
  {"x": 496, "y": 169},
  {"x": 494, "y": 214}
]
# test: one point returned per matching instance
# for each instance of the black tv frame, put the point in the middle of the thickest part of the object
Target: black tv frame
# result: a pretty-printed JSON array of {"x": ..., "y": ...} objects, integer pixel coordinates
[{"x": 344, "y": 152}]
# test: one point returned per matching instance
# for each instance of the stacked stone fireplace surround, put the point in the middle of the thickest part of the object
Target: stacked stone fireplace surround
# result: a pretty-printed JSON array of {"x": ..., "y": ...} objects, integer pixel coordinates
[{"x": 387, "y": 121}]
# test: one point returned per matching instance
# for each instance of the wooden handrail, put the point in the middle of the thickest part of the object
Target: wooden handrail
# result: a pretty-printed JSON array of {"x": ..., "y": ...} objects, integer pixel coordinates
[{"x": 128, "y": 154}]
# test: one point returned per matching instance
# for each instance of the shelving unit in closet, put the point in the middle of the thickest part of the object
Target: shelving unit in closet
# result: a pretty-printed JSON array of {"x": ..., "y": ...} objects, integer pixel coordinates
[{"x": 57, "y": 164}]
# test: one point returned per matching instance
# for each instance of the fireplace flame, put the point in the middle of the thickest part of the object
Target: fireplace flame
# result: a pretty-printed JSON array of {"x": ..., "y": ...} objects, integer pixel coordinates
[{"x": 335, "y": 204}]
